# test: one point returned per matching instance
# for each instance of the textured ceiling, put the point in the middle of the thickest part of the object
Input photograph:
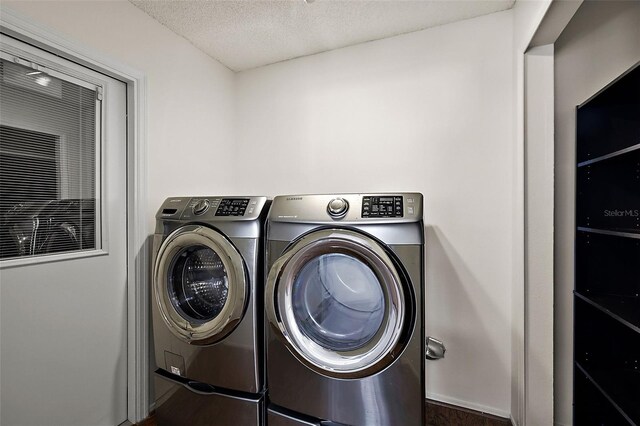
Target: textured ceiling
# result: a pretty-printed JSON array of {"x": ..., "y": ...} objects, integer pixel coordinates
[{"x": 245, "y": 34}]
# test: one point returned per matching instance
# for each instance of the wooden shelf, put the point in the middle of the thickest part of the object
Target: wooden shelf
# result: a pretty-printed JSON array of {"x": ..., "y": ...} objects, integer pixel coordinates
[
  {"x": 627, "y": 234},
  {"x": 599, "y": 380},
  {"x": 621, "y": 309},
  {"x": 608, "y": 121},
  {"x": 632, "y": 148}
]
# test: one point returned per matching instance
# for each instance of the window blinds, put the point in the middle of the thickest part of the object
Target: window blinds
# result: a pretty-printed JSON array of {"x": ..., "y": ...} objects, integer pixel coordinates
[{"x": 49, "y": 142}]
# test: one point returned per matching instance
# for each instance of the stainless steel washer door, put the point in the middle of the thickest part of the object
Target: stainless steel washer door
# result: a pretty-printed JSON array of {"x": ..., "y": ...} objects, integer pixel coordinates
[
  {"x": 200, "y": 285},
  {"x": 337, "y": 301}
]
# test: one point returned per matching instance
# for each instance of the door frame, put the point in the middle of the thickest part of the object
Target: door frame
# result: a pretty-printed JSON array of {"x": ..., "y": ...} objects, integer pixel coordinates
[
  {"x": 532, "y": 386},
  {"x": 15, "y": 25}
]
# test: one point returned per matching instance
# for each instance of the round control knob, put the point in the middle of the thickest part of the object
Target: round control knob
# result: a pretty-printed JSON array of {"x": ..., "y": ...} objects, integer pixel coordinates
[
  {"x": 337, "y": 207},
  {"x": 201, "y": 207}
]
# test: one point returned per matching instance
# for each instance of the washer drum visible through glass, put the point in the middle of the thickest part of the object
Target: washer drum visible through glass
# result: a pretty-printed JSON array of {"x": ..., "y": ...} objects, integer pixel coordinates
[{"x": 200, "y": 284}]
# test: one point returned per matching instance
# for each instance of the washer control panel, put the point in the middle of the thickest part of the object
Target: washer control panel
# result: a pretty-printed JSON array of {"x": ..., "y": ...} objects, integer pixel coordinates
[
  {"x": 382, "y": 206},
  {"x": 232, "y": 207},
  {"x": 207, "y": 208}
]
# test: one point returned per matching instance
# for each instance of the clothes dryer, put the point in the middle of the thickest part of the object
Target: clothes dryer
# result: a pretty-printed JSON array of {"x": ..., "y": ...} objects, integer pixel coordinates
[
  {"x": 207, "y": 311},
  {"x": 344, "y": 302}
]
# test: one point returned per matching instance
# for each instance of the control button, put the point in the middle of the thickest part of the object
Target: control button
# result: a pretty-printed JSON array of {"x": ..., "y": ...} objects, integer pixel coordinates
[
  {"x": 337, "y": 207},
  {"x": 201, "y": 207},
  {"x": 410, "y": 200},
  {"x": 410, "y": 210}
]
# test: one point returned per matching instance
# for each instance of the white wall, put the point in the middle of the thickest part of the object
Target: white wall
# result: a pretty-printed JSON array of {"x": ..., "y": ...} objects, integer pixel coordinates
[
  {"x": 429, "y": 111},
  {"x": 189, "y": 95},
  {"x": 600, "y": 43}
]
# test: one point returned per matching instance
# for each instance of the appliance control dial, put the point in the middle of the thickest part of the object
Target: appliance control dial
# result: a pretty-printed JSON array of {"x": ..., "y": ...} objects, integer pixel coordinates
[
  {"x": 201, "y": 207},
  {"x": 337, "y": 207}
]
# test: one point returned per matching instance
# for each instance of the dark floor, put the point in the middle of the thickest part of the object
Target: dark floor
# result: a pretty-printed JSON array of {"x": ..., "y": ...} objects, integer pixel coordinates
[{"x": 438, "y": 414}]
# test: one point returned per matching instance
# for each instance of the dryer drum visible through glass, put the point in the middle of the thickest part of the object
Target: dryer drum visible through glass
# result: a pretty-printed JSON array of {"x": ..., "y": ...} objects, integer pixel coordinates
[
  {"x": 338, "y": 302},
  {"x": 200, "y": 284}
]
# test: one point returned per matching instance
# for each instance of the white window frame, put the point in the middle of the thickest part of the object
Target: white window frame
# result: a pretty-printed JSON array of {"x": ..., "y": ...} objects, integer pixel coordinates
[
  {"x": 12, "y": 51},
  {"x": 14, "y": 25}
]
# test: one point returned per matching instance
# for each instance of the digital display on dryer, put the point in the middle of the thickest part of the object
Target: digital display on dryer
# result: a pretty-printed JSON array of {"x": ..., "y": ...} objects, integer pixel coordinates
[
  {"x": 232, "y": 207},
  {"x": 387, "y": 206}
]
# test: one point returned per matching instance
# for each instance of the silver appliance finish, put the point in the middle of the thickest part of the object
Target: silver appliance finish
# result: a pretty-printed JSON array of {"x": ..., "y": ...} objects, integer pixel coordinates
[
  {"x": 210, "y": 335},
  {"x": 378, "y": 380},
  {"x": 183, "y": 405},
  {"x": 276, "y": 417}
]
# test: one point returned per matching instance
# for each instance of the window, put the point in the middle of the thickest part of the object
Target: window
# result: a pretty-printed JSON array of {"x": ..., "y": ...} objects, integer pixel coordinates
[{"x": 49, "y": 161}]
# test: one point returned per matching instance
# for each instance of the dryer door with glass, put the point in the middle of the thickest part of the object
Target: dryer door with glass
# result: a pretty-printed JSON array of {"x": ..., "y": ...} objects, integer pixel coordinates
[
  {"x": 340, "y": 303},
  {"x": 200, "y": 284}
]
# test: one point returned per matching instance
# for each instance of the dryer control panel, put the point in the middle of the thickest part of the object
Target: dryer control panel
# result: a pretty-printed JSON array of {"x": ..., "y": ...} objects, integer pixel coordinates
[
  {"x": 383, "y": 206},
  {"x": 348, "y": 209}
]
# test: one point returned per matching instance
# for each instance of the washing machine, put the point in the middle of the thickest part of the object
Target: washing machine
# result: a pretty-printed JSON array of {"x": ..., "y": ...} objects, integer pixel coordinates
[
  {"x": 207, "y": 311},
  {"x": 344, "y": 303}
]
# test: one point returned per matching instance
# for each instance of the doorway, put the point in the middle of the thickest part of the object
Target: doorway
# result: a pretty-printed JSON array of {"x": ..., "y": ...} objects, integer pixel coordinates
[{"x": 64, "y": 311}]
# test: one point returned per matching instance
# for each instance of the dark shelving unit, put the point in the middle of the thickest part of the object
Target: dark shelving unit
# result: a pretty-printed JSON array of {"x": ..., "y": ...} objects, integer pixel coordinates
[{"x": 607, "y": 256}]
